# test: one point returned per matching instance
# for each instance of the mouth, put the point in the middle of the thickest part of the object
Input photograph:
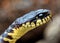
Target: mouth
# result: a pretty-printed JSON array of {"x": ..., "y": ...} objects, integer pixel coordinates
[
  {"x": 43, "y": 20},
  {"x": 40, "y": 20}
]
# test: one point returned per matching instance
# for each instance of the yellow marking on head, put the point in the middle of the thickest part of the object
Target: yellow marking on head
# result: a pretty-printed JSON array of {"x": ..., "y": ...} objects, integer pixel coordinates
[
  {"x": 14, "y": 29},
  {"x": 28, "y": 24},
  {"x": 32, "y": 24},
  {"x": 14, "y": 35},
  {"x": 36, "y": 17},
  {"x": 50, "y": 15},
  {"x": 43, "y": 20},
  {"x": 38, "y": 22},
  {"x": 23, "y": 24},
  {"x": 9, "y": 40},
  {"x": 48, "y": 18}
]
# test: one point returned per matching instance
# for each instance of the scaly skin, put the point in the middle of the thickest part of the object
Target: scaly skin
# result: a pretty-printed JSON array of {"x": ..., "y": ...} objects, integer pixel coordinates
[{"x": 26, "y": 26}]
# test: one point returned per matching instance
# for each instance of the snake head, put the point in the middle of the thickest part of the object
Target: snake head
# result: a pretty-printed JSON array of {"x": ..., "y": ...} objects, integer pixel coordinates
[{"x": 31, "y": 16}]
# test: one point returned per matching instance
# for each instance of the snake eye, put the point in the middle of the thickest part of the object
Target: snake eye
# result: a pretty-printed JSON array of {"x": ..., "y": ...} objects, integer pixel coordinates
[{"x": 40, "y": 15}]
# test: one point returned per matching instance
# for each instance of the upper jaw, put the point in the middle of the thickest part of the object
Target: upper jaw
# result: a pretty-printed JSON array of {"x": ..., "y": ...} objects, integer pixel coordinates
[{"x": 42, "y": 11}]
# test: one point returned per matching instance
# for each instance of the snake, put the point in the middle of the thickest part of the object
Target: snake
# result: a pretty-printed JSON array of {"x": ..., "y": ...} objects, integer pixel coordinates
[{"x": 24, "y": 24}]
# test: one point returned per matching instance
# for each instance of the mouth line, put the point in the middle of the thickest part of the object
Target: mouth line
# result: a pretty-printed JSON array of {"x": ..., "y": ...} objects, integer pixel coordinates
[
  {"x": 38, "y": 22},
  {"x": 43, "y": 20}
]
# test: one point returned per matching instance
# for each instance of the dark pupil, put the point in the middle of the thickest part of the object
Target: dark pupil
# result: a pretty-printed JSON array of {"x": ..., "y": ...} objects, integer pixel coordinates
[{"x": 43, "y": 15}]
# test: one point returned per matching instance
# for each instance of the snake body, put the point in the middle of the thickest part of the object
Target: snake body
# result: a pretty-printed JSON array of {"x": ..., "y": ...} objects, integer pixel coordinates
[{"x": 24, "y": 24}]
